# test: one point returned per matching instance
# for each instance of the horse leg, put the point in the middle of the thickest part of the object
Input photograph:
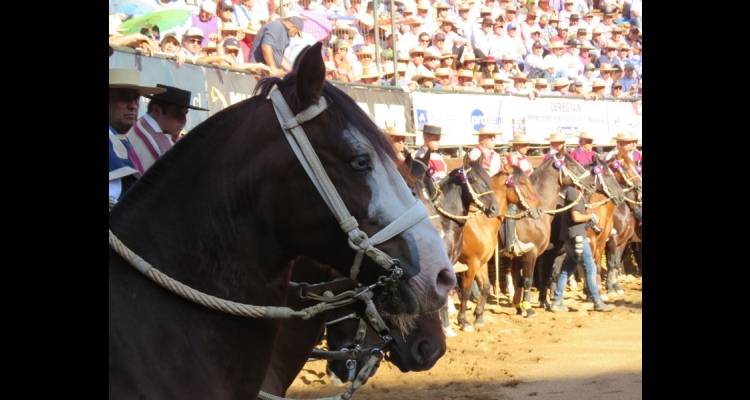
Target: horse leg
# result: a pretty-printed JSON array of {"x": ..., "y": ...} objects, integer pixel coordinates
[
  {"x": 446, "y": 322},
  {"x": 614, "y": 255},
  {"x": 508, "y": 272},
  {"x": 468, "y": 280},
  {"x": 484, "y": 284},
  {"x": 638, "y": 253},
  {"x": 518, "y": 280},
  {"x": 528, "y": 262}
]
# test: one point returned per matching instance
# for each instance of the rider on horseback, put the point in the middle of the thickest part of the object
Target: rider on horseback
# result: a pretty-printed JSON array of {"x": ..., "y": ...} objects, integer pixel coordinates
[{"x": 517, "y": 157}]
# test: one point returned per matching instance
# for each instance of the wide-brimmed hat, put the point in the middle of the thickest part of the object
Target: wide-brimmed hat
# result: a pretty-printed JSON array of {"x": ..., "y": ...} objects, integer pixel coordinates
[
  {"x": 585, "y": 135},
  {"x": 229, "y": 26},
  {"x": 426, "y": 74},
  {"x": 443, "y": 71},
  {"x": 541, "y": 82},
  {"x": 469, "y": 56},
  {"x": 370, "y": 71},
  {"x": 598, "y": 83},
  {"x": 500, "y": 78},
  {"x": 488, "y": 130},
  {"x": 127, "y": 78},
  {"x": 343, "y": 26},
  {"x": 556, "y": 45},
  {"x": 556, "y": 137},
  {"x": 210, "y": 46},
  {"x": 393, "y": 131},
  {"x": 561, "y": 82},
  {"x": 625, "y": 137},
  {"x": 388, "y": 68},
  {"x": 520, "y": 138},
  {"x": 488, "y": 82},
  {"x": 607, "y": 67},
  {"x": 175, "y": 96},
  {"x": 465, "y": 73},
  {"x": 507, "y": 57},
  {"x": 488, "y": 60},
  {"x": 448, "y": 55},
  {"x": 433, "y": 129},
  {"x": 416, "y": 49},
  {"x": 252, "y": 28},
  {"x": 520, "y": 76},
  {"x": 366, "y": 49}
]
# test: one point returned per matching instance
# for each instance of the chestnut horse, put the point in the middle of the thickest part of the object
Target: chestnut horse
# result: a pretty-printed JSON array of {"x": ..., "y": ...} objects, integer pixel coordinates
[
  {"x": 201, "y": 247},
  {"x": 480, "y": 238}
]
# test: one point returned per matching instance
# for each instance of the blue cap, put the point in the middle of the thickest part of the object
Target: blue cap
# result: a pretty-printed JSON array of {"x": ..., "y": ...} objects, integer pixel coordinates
[{"x": 511, "y": 26}]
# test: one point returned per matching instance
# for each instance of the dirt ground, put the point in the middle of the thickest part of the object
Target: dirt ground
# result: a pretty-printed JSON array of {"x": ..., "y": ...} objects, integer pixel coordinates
[{"x": 578, "y": 355}]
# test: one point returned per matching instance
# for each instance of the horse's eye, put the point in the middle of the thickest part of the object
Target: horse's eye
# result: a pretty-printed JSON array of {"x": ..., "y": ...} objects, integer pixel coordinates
[{"x": 361, "y": 163}]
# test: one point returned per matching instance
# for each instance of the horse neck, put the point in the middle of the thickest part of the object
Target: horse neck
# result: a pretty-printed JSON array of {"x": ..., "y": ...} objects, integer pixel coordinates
[
  {"x": 452, "y": 197},
  {"x": 547, "y": 185}
]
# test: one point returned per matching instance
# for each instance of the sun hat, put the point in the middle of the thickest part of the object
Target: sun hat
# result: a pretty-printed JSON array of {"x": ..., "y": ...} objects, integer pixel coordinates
[
  {"x": 393, "y": 131},
  {"x": 500, "y": 78},
  {"x": 488, "y": 82},
  {"x": 433, "y": 129},
  {"x": 175, "y": 96},
  {"x": 370, "y": 71},
  {"x": 561, "y": 82},
  {"x": 607, "y": 67},
  {"x": 519, "y": 138},
  {"x": 465, "y": 73},
  {"x": 488, "y": 130},
  {"x": 488, "y": 60},
  {"x": 442, "y": 71},
  {"x": 598, "y": 83},
  {"x": 252, "y": 28},
  {"x": 229, "y": 26},
  {"x": 366, "y": 49},
  {"x": 449, "y": 55},
  {"x": 556, "y": 45},
  {"x": 556, "y": 137},
  {"x": 442, "y": 6},
  {"x": 416, "y": 49},
  {"x": 343, "y": 26},
  {"x": 585, "y": 135},
  {"x": 210, "y": 46},
  {"x": 208, "y": 6},
  {"x": 469, "y": 56},
  {"x": 127, "y": 78},
  {"x": 625, "y": 137},
  {"x": 541, "y": 82},
  {"x": 520, "y": 76},
  {"x": 426, "y": 74}
]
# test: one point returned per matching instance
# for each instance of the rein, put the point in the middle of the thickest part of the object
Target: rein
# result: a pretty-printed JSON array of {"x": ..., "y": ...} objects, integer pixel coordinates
[
  {"x": 475, "y": 201},
  {"x": 527, "y": 211}
]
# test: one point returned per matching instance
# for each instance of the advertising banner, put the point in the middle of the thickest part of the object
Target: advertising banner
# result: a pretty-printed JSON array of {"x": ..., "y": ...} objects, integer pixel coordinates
[{"x": 385, "y": 107}]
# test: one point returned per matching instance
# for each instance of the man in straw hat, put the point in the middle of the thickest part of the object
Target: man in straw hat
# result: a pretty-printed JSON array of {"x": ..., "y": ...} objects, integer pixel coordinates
[
  {"x": 556, "y": 144},
  {"x": 584, "y": 153},
  {"x": 369, "y": 75},
  {"x": 398, "y": 138},
  {"x": 597, "y": 90},
  {"x": 626, "y": 142},
  {"x": 125, "y": 93},
  {"x": 484, "y": 151},
  {"x": 431, "y": 137},
  {"x": 157, "y": 130},
  {"x": 517, "y": 157},
  {"x": 561, "y": 86},
  {"x": 273, "y": 39}
]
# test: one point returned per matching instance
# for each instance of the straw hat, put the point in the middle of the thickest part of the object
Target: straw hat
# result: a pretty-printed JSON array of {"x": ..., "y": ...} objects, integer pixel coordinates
[
  {"x": 556, "y": 137},
  {"x": 598, "y": 83},
  {"x": 488, "y": 82},
  {"x": 625, "y": 137},
  {"x": 561, "y": 82},
  {"x": 343, "y": 26},
  {"x": 488, "y": 60},
  {"x": 607, "y": 67},
  {"x": 210, "y": 46},
  {"x": 448, "y": 55},
  {"x": 393, "y": 131},
  {"x": 541, "y": 82},
  {"x": 585, "y": 135},
  {"x": 126, "y": 78},
  {"x": 520, "y": 76},
  {"x": 465, "y": 73},
  {"x": 519, "y": 138},
  {"x": 426, "y": 74},
  {"x": 500, "y": 78},
  {"x": 470, "y": 57},
  {"x": 442, "y": 72},
  {"x": 488, "y": 130},
  {"x": 366, "y": 49},
  {"x": 229, "y": 26},
  {"x": 388, "y": 68},
  {"x": 416, "y": 49},
  {"x": 370, "y": 71},
  {"x": 252, "y": 28}
]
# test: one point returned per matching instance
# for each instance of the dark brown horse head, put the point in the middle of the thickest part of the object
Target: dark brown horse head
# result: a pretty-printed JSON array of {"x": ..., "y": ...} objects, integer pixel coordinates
[{"x": 522, "y": 192}]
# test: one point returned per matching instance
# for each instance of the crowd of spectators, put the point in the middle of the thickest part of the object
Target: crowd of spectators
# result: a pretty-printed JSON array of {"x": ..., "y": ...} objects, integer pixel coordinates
[{"x": 589, "y": 48}]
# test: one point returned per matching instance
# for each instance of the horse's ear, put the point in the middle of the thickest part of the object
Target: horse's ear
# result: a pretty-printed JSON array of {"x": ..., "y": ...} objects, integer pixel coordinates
[
  {"x": 508, "y": 169},
  {"x": 408, "y": 159},
  {"x": 467, "y": 160},
  {"x": 310, "y": 75}
]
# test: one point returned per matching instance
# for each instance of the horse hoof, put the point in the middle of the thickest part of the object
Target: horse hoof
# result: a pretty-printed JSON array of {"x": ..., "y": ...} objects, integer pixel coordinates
[
  {"x": 604, "y": 297},
  {"x": 531, "y": 313},
  {"x": 620, "y": 291},
  {"x": 449, "y": 332},
  {"x": 519, "y": 311},
  {"x": 451, "y": 307},
  {"x": 611, "y": 293},
  {"x": 479, "y": 324},
  {"x": 467, "y": 328}
]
